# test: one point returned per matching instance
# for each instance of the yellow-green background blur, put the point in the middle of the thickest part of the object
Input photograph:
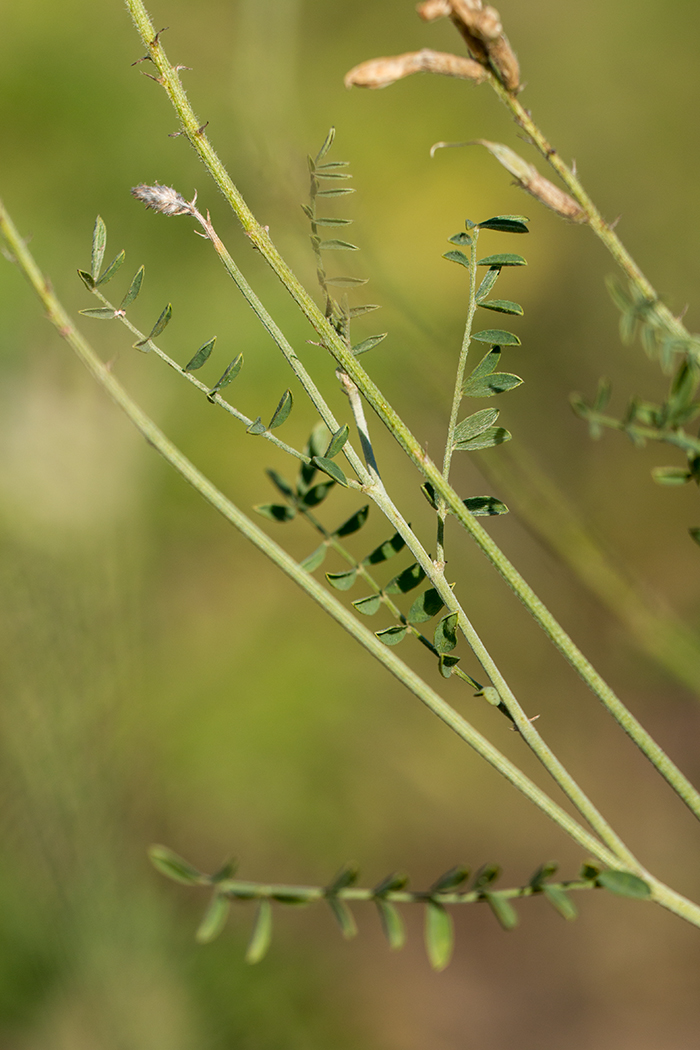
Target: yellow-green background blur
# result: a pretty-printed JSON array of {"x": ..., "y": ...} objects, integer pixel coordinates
[{"x": 161, "y": 682}]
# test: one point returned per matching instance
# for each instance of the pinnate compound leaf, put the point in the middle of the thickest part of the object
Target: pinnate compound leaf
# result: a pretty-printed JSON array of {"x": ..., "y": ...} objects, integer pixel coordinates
[
  {"x": 506, "y": 224},
  {"x": 488, "y": 283},
  {"x": 134, "y": 289},
  {"x": 312, "y": 561},
  {"x": 282, "y": 411},
  {"x": 474, "y": 425},
  {"x": 276, "y": 511},
  {"x": 406, "y": 580},
  {"x": 503, "y": 910},
  {"x": 502, "y": 306},
  {"x": 457, "y": 257},
  {"x": 484, "y": 506},
  {"x": 625, "y": 884},
  {"x": 561, "y": 901},
  {"x": 111, "y": 269},
  {"x": 353, "y": 524},
  {"x": 392, "y": 635},
  {"x": 201, "y": 357},
  {"x": 392, "y": 924},
  {"x": 445, "y": 637},
  {"x": 261, "y": 936},
  {"x": 368, "y": 606},
  {"x": 331, "y": 469},
  {"x": 491, "y": 437},
  {"x": 169, "y": 863},
  {"x": 342, "y": 581},
  {"x": 439, "y": 935},
  {"x": 490, "y": 385},
  {"x": 425, "y": 607},
  {"x": 102, "y": 313},
  {"x": 450, "y": 880},
  {"x": 385, "y": 550},
  {"x": 337, "y": 442},
  {"x": 317, "y": 494},
  {"x": 99, "y": 243},
  {"x": 497, "y": 337},
  {"x": 214, "y": 919},
  {"x": 228, "y": 376},
  {"x": 506, "y": 259},
  {"x": 369, "y": 343}
]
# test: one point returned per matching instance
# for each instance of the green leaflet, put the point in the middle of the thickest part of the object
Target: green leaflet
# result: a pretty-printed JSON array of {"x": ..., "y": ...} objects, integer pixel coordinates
[
  {"x": 392, "y": 924},
  {"x": 560, "y": 901},
  {"x": 331, "y": 469},
  {"x": 625, "y": 884},
  {"x": 228, "y": 377},
  {"x": 497, "y": 337},
  {"x": 406, "y": 580},
  {"x": 439, "y": 935},
  {"x": 337, "y": 442},
  {"x": 489, "y": 438},
  {"x": 111, "y": 269},
  {"x": 506, "y": 259},
  {"x": 353, "y": 524},
  {"x": 201, "y": 357},
  {"x": 474, "y": 425},
  {"x": 445, "y": 637},
  {"x": 489, "y": 386},
  {"x": 134, "y": 289},
  {"x": 99, "y": 243},
  {"x": 457, "y": 257},
  {"x": 451, "y": 880},
  {"x": 392, "y": 635},
  {"x": 425, "y": 606},
  {"x": 385, "y": 550},
  {"x": 276, "y": 511},
  {"x": 502, "y": 306},
  {"x": 342, "y": 581},
  {"x": 282, "y": 411},
  {"x": 482, "y": 506},
  {"x": 262, "y": 934},
  {"x": 312, "y": 561},
  {"x": 368, "y": 344},
  {"x": 368, "y": 606},
  {"x": 506, "y": 224},
  {"x": 214, "y": 919},
  {"x": 502, "y": 909},
  {"x": 175, "y": 867}
]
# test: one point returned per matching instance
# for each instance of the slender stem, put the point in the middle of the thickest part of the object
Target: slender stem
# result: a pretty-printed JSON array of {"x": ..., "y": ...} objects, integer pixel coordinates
[{"x": 259, "y": 236}]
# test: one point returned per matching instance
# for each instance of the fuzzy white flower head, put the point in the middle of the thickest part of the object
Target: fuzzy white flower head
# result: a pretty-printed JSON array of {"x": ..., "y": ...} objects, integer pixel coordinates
[{"x": 164, "y": 199}]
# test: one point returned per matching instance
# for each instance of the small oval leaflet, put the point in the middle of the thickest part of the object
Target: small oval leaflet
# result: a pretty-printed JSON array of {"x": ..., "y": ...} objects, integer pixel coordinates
[
  {"x": 457, "y": 257},
  {"x": 486, "y": 875},
  {"x": 451, "y": 879},
  {"x": 337, "y": 246},
  {"x": 506, "y": 224},
  {"x": 560, "y": 901},
  {"x": 317, "y": 494},
  {"x": 397, "y": 880},
  {"x": 256, "y": 428},
  {"x": 425, "y": 607},
  {"x": 328, "y": 221},
  {"x": 111, "y": 269},
  {"x": 357, "y": 311},
  {"x": 353, "y": 524},
  {"x": 346, "y": 282},
  {"x": 406, "y": 580},
  {"x": 505, "y": 259},
  {"x": 158, "y": 327},
  {"x": 99, "y": 243},
  {"x": 491, "y": 437},
  {"x": 337, "y": 442},
  {"x": 460, "y": 238},
  {"x": 327, "y": 143},
  {"x": 474, "y": 425},
  {"x": 342, "y": 581},
  {"x": 262, "y": 934},
  {"x": 312, "y": 561},
  {"x": 385, "y": 550},
  {"x": 368, "y": 344},
  {"x": 625, "y": 884},
  {"x": 102, "y": 313},
  {"x": 392, "y": 924},
  {"x": 502, "y": 306},
  {"x": 497, "y": 337},
  {"x": 445, "y": 637},
  {"x": 331, "y": 469},
  {"x": 488, "y": 283},
  {"x": 347, "y": 876},
  {"x": 276, "y": 511},
  {"x": 282, "y": 411},
  {"x": 439, "y": 935},
  {"x": 201, "y": 357},
  {"x": 214, "y": 919},
  {"x": 503, "y": 910},
  {"x": 340, "y": 192},
  {"x": 392, "y": 635},
  {"x": 368, "y": 606},
  {"x": 447, "y": 664},
  {"x": 483, "y": 506},
  {"x": 343, "y": 916},
  {"x": 175, "y": 867},
  {"x": 134, "y": 289},
  {"x": 86, "y": 279},
  {"x": 490, "y": 385},
  {"x": 228, "y": 376}
]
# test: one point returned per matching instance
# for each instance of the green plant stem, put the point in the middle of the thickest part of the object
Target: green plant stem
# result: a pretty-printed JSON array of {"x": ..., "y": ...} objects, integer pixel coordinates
[{"x": 260, "y": 238}]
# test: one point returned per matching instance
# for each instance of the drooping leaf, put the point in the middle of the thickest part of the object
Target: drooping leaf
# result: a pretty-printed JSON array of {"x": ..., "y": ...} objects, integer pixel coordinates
[
  {"x": 492, "y": 436},
  {"x": 214, "y": 919},
  {"x": 505, "y": 259},
  {"x": 261, "y": 936},
  {"x": 102, "y": 313},
  {"x": 256, "y": 428},
  {"x": 312, "y": 561},
  {"x": 625, "y": 884},
  {"x": 490, "y": 385},
  {"x": 158, "y": 327},
  {"x": 503, "y": 910},
  {"x": 201, "y": 357},
  {"x": 457, "y": 256},
  {"x": 450, "y": 880},
  {"x": 497, "y": 337},
  {"x": 392, "y": 635},
  {"x": 483, "y": 506},
  {"x": 445, "y": 637},
  {"x": 99, "y": 243},
  {"x": 502, "y": 306},
  {"x": 282, "y": 411},
  {"x": 474, "y": 425},
  {"x": 488, "y": 283},
  {"x": 276, "y": 511},
  {"x": 425, "y": 606},
  {"x": 561, "y": 901},
  {"x": 439, "y": 935},
  {"x": 313, "y": 496},
  {"x": 385, "y": 550},
  {"x": 370, "y": 605},
  {"x": 343, "y": 916},
  {"x": 327, "y": 143},
  {"x": 506, "y": 224},
  {"x": 228, "y": 376},
  {"x": 346, "y": 282},
  {"x": 111, "y": 269},
  {"x": 337, "y": 441},
  {"x": 169, "y": 863},
  {"x": 368, "y": 344},
  {"x": 392, "y": 924},
  {"x": 353, "y": 524},
  {"x": 406, "y": 580},
  {"x": 342, "y": 581},
  {"x": 134, "y": 289},
  {"x": 331, "y": 469}
]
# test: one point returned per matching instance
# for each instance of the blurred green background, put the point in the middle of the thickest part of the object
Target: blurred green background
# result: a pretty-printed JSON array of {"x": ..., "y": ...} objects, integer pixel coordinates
[{"x": 162, "y": 683}]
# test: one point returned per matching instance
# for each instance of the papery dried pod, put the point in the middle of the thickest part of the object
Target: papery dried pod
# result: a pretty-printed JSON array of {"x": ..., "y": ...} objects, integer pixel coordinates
[
  {"x": 483, "y": 32},
  {"x": 505, "y": 63},
  {"x": 381, "y": 72},
  {"x": 531, "y": 180},
  {"x": 431, "y": 10}
]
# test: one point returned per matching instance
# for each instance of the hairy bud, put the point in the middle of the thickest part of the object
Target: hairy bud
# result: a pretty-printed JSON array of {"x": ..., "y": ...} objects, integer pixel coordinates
[
  {"x": 163, "y": 199},
  {"x": 381, "y": 72}
]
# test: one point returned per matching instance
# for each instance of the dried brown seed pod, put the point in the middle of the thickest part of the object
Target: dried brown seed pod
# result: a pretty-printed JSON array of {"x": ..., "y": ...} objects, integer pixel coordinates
[
  {"x": 530, "y": 179},
  {"x": 505, "y": 63},
  {"x": 381, "y": 72}
]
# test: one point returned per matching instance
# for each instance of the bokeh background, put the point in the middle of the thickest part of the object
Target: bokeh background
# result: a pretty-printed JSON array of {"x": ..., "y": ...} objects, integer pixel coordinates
[{"x": 160, "y": 682}]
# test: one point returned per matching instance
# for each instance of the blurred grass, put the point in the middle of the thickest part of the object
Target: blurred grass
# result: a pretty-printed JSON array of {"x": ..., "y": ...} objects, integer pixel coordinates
[{"x": 161, "y": 683}]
